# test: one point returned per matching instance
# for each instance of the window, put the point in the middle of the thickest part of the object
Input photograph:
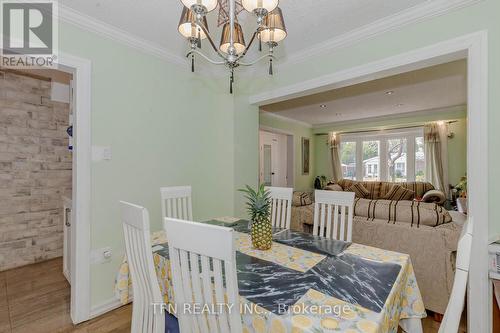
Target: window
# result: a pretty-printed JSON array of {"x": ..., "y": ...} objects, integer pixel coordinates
[
  {"x": 396, "y": 156},
  {"x": 396, "y": 159},
  {"x": 348, "y": 158},
  {"x": 419, "y": 159},
  {"x": 371, "y": 158}
]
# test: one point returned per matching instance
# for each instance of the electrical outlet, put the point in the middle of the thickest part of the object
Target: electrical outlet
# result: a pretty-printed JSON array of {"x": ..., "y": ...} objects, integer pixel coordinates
[{"x": 101, "y": 256}]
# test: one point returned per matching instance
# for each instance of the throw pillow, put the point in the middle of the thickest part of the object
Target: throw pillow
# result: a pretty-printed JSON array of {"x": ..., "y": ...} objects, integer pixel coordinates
[
  {"x": 398, "y": 192},
  {"x": 301, "y": 199},
  {"x": 333, "y": 187},
  {"x": 359, "y": 190},
  {"x": 434, "y": 196}
]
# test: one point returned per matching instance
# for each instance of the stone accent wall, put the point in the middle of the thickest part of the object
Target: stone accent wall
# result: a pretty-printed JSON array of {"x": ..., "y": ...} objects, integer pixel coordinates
[{"x": 35, "y": 170}]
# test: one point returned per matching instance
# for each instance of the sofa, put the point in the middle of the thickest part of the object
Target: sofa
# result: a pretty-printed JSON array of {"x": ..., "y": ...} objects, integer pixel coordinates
[{"x": 424, "y": 230}]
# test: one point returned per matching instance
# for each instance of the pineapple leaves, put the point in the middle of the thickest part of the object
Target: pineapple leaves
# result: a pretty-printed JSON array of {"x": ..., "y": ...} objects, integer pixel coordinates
[{"x": 258, "y": 201}]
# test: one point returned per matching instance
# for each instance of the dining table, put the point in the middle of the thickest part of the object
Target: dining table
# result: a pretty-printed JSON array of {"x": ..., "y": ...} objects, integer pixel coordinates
[{"x": 307, "y": 283}]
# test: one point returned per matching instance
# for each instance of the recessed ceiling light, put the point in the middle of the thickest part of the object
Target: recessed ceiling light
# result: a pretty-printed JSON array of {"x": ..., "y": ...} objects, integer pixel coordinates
[
  {"x": 399, "y": 105},
  {"x": 322, "y": 106},
  {"x": 390, "y": 92},
  {"x": 338, "y": 114}
]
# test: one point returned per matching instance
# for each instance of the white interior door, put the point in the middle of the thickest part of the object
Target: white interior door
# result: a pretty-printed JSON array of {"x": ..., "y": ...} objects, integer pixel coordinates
[{"x": 273, "y": 159}]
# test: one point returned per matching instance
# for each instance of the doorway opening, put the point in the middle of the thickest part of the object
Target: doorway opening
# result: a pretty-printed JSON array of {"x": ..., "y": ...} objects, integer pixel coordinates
[
  {"x": 50, "y": 166},
  {"x": 473, "y": 48}
]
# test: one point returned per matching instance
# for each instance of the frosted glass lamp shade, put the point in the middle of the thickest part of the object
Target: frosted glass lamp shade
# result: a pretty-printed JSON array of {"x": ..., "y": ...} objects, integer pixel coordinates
[
  {"x": 188, "y": 27},
  {"x": 268, "y": 5},
  {"x": 239, "y": 40},
  {"x": 274, "y": 27},
  {"x": 208, "y": 4}
]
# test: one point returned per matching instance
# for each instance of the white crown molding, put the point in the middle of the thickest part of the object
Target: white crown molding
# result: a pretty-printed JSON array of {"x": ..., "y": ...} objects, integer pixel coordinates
[
  {"x": 88, "y": 23},
  {"x": 414, "y": 14},
  {"x": 283, "y": 118}
]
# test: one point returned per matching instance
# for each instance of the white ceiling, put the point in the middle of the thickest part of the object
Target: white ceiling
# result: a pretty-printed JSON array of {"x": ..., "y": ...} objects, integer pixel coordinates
[
  {"x": 431, "y": 88},
  {"x": 308, "y": 22}
]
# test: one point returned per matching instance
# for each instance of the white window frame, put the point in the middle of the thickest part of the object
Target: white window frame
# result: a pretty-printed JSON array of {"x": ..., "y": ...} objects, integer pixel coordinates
[{"x": 383, "y": 136}]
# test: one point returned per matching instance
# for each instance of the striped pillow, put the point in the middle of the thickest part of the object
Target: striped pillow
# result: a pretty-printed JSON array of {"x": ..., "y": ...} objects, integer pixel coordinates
[
  {"x": 398, "y": 192},
  {"x": 359, "y": 190},
  {"x": 301, "y": 199}
]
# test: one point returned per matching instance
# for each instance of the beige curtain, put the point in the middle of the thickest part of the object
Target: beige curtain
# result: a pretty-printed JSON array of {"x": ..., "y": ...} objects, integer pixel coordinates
[
  {"x": 436, "y": 161},
  {"x": 334, "y": 145}
]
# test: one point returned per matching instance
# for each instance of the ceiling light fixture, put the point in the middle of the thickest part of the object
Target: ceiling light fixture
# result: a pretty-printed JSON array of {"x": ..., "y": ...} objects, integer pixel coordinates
[
  {"x": 322, "y": 106},
  {"x": 390, "y": 92},
  {"x": 399, "y": 105},
  {"x": 232, "y": 48}
]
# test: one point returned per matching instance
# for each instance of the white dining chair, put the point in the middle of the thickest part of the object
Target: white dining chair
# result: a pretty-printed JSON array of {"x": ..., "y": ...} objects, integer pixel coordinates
[
  {"x": 176, "y": 202},
  {"x": 451, "y": 319},
  {"x": 199, "y": 253},
  {"x": 333, "y": 213},
  {"x": 145, "y": 286},
  {"x": 281, "y": 207}
]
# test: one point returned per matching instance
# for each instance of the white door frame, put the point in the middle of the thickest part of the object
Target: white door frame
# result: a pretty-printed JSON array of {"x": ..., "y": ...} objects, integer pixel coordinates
[
  {"x": 290, "y": 142},
  {"x": 474, "y": 47},
  {"x": 80, "y": 217}
]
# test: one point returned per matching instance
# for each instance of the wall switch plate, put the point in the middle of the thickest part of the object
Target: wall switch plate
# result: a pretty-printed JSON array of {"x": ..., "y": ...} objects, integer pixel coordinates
[
  {"x": 101, "y": 153},
  {"x": 101, "y": 256}
]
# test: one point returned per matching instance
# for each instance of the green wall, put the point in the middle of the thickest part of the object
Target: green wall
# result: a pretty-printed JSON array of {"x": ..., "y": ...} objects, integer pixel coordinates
[
  {"x": 459, "y": 22},
  {"x": 457, "y": 146},
  {"x": 246, "y": 146},
  {"x": 299, "y": 131},
  {"x": 143, "y": 107}
]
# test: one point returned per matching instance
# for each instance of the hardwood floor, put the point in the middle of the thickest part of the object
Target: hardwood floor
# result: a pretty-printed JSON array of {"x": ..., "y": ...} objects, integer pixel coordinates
[{"x": 36, "y": 299}]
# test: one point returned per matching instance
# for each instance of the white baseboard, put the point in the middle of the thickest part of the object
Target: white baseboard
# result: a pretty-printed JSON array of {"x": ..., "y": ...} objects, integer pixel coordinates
[{"x": 109, "y": 305}]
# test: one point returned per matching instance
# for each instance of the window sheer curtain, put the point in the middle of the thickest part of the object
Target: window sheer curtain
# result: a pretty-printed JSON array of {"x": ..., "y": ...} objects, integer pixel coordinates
[
  {"x": 436, "y": 155},
  {"x": 334, "y": 145}
]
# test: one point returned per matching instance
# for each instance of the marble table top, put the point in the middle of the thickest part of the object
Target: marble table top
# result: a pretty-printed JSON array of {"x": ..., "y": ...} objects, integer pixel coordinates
[
  {"x": 378, "y": 287},
  {"x": 350, "y": 278}
]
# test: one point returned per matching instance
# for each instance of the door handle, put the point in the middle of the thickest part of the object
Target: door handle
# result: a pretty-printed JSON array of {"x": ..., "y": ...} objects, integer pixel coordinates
[{"x": 66, "y": 211}]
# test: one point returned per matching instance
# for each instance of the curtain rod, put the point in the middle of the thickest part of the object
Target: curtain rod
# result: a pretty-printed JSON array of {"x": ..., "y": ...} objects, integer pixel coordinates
[{"x": 379, "y": 130}]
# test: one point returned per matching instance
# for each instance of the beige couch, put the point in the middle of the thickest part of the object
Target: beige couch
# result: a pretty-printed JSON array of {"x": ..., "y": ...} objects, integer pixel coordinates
[{"x": 425, "y": 231}]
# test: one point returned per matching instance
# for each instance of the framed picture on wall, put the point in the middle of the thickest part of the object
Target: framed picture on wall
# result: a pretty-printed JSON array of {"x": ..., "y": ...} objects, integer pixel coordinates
[{"x": 305, "y": 156}]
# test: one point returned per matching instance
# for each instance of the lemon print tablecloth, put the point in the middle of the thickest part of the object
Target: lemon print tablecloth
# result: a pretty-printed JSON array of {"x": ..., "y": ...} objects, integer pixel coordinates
[{"x": 364, "y": 289}]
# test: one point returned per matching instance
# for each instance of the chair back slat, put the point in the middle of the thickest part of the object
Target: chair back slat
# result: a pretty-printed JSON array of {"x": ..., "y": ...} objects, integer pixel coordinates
[
  {"x": 145, "y": 286},
  {"x": 176, "y": 202},
  {"x": 281, "y": 206},
  {"x": 453, "y": 314},
  {"x": 339, "y": 224},
  {"x": 203, "y": 262}
]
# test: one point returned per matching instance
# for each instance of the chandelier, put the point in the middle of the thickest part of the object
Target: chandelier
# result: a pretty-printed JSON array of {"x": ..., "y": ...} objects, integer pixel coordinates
[{"x": 232, "y": 47}]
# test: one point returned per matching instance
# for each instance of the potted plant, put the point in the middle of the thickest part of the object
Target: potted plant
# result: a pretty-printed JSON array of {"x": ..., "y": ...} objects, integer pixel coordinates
[
  {"x": 259, "y": 208},
  {"x": 461, "y": 187},
  {"x": 320, "y": 182}
]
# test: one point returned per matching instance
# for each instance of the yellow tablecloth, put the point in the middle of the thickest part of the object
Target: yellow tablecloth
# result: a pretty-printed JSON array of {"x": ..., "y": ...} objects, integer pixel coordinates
[{"x": 403, "y": 302}]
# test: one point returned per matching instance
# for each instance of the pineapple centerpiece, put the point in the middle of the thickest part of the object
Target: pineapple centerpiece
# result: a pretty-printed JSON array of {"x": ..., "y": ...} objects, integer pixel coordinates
[{"x": 259, "y": 208}]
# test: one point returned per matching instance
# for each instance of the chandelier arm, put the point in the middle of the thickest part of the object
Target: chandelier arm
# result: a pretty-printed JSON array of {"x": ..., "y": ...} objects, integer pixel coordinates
[
  {"x": 269, "y": 55},
  {"x": 209, "y": 37},
  {"x": 205, "y": 57},
  {"x": 231, "y": 23}
]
